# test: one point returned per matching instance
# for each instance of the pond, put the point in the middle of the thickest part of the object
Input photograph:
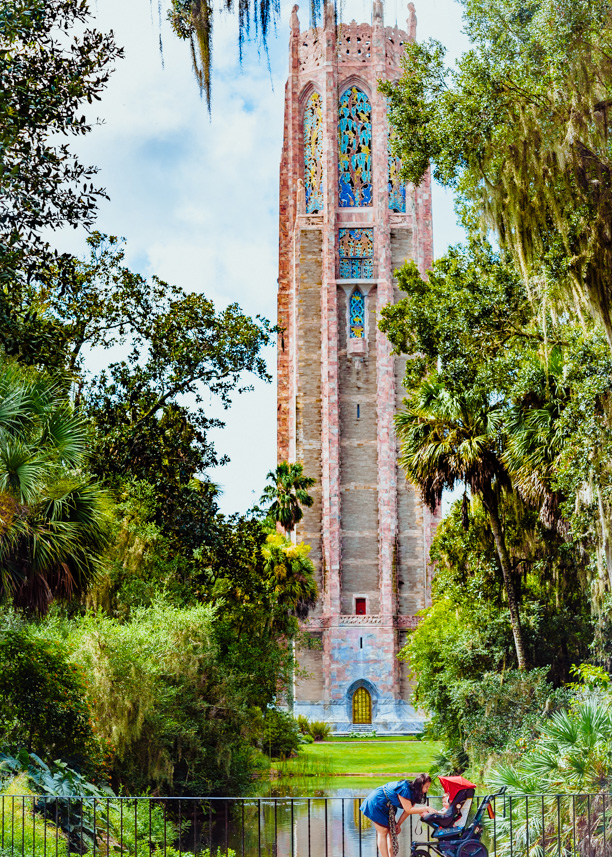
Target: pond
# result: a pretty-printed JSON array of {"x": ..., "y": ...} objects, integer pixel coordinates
[{"x": 306, "y": 817}]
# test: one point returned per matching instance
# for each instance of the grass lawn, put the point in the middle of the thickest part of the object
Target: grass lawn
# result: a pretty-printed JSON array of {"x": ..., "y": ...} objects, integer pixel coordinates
[
  {"x": 344, "y": 738},
  {"x": 369, "y": 757}
]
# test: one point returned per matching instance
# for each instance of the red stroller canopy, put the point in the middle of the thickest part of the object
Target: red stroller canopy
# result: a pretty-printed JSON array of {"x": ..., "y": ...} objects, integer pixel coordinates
[{"x": 452, "y": 785}]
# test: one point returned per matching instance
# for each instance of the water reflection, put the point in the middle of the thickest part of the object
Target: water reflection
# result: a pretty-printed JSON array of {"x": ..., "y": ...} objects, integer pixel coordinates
[{"x": 325, "y": 824}]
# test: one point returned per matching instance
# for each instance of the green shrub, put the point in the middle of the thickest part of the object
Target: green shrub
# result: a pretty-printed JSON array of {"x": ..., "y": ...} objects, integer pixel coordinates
[
  {"x": 303, "y": 724},
  {"x": 319, "y": 730},
  {"x": 22, "y": 830},
  {"x": 172, "y": 852},
  {"x": 178, "y": 719},
  {"x": 280, "y": 734},
  {"x": 43, "y": 701}
]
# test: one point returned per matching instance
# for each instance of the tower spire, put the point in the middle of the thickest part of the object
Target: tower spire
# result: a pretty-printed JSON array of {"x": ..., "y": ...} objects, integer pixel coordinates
[{"x": 411, "y": 22}]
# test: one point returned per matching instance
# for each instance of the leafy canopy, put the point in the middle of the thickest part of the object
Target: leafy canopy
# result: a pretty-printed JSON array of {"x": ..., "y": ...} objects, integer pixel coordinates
[
  {"x": 520, "y": 129},
  {"x": 52, "y": 65}
]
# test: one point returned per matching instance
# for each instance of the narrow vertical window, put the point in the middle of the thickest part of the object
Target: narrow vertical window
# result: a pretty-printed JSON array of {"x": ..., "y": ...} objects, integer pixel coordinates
[
  {"x": 357, "y": 316},
  {"x": 356, "y": 254},
  {"x": 313, "y": 153},
  {"x": 397, "y": 188},
  {"x": 354, "y": 149}
]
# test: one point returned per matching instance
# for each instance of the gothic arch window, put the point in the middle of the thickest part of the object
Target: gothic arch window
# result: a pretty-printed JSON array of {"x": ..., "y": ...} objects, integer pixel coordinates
[
  {"x": 362, "y": 706},
  {"x": 356, "y": 253},
  {"x": 357, "y": 315},
  {"x": 354, "y": 149},
  {"x": 313, "y": 153},
  {"x": 397, "y": 188}
]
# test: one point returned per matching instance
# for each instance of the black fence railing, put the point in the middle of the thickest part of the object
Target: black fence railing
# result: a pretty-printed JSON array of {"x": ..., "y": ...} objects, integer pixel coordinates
[{"x": 574, "y": 825}]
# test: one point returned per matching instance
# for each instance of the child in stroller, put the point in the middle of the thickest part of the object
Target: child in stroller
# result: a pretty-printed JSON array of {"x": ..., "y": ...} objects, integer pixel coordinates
[
  {"x": 452, "y": 836},
  {"x": 456, "y": 804}
]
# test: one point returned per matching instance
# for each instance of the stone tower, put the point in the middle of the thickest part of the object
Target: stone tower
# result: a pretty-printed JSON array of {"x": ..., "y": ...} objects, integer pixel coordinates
[{"x": 346, "y": 223}]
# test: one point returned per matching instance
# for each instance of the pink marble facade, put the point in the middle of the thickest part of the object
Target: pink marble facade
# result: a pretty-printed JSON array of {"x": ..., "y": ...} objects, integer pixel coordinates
[{"x": 369, "y": 532}]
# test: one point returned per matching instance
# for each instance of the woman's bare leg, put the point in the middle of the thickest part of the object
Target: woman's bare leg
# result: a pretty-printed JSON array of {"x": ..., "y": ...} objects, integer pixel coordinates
[{"x": 381, "y": 838}]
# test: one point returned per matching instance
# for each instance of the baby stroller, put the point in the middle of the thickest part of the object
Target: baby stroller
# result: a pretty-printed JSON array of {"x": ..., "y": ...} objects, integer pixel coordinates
[{"x": 452, "y": 836}]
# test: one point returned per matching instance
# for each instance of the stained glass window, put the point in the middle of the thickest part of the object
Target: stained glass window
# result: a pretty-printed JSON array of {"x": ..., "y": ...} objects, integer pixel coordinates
[
  {"x": 355, "y": 149},
  {"x": 397, "y": 188},
  {"x": 313, "y": 153},
  {"x": 356, "y": 254},
  {"x": 357, "y": 315}
]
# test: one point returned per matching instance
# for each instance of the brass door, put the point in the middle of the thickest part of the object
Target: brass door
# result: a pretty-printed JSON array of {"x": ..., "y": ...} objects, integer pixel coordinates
[{"x": 362, "y": 706}]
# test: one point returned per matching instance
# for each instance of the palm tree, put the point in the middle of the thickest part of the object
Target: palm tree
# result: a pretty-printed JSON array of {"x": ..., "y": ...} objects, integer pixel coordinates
[
  {"x": 291, "y": 575},
  {"x": 534, "y": 440},
  {"x": 53, "y": 521},
  {"x": 287, "y": 493},
  {"x": 449, "y": 438}
]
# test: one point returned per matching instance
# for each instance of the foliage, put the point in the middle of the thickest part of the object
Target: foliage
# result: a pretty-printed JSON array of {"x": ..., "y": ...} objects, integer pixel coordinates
[
  {"x": 287, "y": 493},
  {"x": 319, "y": 730},
  {"x": 51, "y": 65},
  {"x": 572, "y": 754},
  {"x": 258, "y": 585},
  {"x": 79, "y": 820},
  {"x": 290, "y": 574},
  {"x": 192, "y": 20},
  {"x": 520, "y": 129},
  {"x": 55, "y": 780},
  {"x": 171, "y": 707},
  {"x": 96, "y": 818},
  {"x": 54, "y": 519},
  {"x": 43, "y": 703},
  {"x": 183, "y": 347},
  {"x": 462, "y": 655},
  {"x": 448, "y": 438},
  {"x": 280, "y": 734},
  {"x": 24, "y": 830}
]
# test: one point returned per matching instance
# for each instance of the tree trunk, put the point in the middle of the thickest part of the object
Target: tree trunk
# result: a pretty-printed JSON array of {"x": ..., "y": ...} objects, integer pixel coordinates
[{"x": 490, "y": 503}]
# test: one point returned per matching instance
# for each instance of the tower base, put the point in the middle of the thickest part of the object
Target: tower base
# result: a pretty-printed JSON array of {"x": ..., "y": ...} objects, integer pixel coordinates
[{"x": 392, "y": 717}]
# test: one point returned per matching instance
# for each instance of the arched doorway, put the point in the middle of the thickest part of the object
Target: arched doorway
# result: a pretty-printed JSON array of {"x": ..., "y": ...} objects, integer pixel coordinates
[{"x": 362, "y": 706}]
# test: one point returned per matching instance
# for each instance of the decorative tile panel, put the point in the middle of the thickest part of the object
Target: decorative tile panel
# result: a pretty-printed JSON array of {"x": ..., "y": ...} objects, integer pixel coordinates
[
  {"x": 355, "y": 149},
  {"x": 356, "y": 254},
  {"x": 313, "y": 153}
]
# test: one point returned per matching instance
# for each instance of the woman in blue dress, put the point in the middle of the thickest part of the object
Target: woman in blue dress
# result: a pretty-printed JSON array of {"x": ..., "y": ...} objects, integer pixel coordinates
[{"x": 381, "y": 805}]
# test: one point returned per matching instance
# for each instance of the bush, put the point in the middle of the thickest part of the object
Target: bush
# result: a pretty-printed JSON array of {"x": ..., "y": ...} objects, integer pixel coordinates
[
  {"x": 303, "y": 724},
  {"x": 280, "y": 734},
  {"x": 316, "y": 729},
  {"x": 174, "y": 710},
  {"x": 172, "y": 852},
  {"x": 43, "y": 702},
  {"x": 19, "y": 833},
  {"x": 319, "y": 730}
]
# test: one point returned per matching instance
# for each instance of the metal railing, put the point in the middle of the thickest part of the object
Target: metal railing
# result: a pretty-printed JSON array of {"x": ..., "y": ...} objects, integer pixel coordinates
[{"x": 574, "y": 825}]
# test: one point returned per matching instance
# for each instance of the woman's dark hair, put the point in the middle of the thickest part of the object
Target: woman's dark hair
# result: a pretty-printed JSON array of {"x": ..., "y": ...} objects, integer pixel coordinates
[{"x": 417, "y": 786}]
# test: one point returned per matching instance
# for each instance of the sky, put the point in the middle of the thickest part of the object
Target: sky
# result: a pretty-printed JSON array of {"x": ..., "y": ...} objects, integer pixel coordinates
[{"x": 196, "y": 195}]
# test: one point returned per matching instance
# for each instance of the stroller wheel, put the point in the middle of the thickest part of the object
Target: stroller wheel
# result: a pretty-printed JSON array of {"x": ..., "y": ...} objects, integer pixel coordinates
[{"x": 472, "y": 848}]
